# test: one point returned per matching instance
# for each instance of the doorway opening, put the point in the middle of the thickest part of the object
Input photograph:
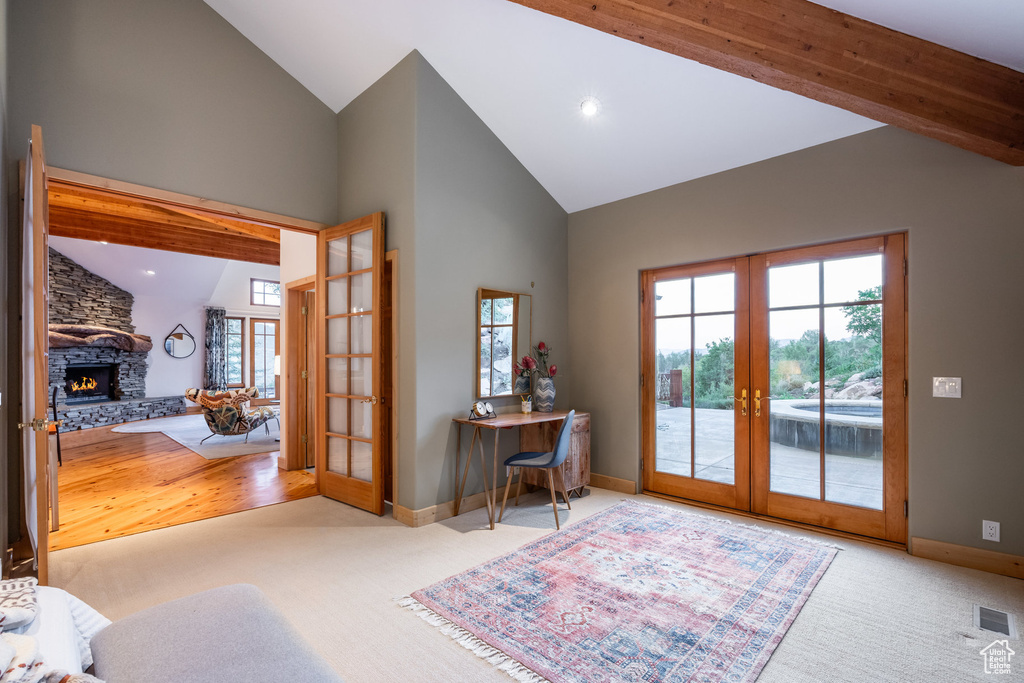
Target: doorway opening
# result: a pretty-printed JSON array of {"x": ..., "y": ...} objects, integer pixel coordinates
[{"x": 161, "y": 479}]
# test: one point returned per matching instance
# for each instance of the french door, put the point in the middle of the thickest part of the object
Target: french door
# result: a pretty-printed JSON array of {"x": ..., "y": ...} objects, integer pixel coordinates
[
  {"x": 775, "y": 383},
  {"x": 350, "y": 263}
]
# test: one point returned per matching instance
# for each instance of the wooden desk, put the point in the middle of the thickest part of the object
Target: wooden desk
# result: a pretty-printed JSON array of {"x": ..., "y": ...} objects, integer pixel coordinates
[{"x": 505, "y": 421}]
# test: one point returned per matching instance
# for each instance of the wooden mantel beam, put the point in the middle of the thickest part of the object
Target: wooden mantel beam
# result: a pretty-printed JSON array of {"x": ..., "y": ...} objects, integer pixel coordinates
[{"x": 828, "y": 56}]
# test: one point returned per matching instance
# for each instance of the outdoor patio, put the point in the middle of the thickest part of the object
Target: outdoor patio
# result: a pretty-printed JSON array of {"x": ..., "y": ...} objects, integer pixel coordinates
[{"x": 848, "y": 479}]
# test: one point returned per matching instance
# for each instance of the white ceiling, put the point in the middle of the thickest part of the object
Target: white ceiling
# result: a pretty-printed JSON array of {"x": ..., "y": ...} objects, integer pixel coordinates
[
  {"x": 184, "y": 276},
  {"x": 664, "y": 120}
]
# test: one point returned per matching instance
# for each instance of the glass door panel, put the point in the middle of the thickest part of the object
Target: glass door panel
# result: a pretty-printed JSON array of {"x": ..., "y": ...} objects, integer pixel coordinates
[
  {"x": 673, "y": 400},
  {"x": 793, "y": 408},
  {"x": 714, "y": 380}
]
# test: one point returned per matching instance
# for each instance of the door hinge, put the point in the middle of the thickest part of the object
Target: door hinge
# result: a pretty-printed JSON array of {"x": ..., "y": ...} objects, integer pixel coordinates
[
  {"x": 904, "y": 267},
  {"x": 906, "y": 508},
  {"x": 305, "y": 310},
  {"x": 305, "y": 374},
  {"x": 304, "y": 439},
  {"x": 906, "y": 388},
  {"x": 642, "y": 296},
  {"x": 641, "y": 380}
]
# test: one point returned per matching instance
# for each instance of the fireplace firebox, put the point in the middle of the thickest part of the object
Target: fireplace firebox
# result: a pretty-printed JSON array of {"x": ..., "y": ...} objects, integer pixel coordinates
[{"x": 90, "y": 383}]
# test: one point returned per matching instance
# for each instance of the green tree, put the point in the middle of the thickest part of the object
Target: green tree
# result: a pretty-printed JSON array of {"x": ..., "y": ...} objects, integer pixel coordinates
[{"x": 866, "y": 320}]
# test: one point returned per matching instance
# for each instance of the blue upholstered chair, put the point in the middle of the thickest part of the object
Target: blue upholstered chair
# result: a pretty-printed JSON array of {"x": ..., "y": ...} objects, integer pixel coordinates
[{"x": 548, "y": 461}]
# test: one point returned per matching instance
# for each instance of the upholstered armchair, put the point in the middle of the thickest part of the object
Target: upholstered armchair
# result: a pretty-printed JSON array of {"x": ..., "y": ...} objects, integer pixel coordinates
[{"x": 227, "y": 413}]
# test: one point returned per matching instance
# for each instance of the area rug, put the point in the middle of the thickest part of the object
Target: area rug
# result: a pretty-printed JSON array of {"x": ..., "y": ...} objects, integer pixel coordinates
[
  {"x": 634, "y": 593},
  {"x": 189, "y": 430}
]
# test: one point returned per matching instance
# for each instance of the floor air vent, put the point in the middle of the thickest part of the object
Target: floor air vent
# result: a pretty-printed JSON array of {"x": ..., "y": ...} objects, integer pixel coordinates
[{"x": 995, "y": 621}]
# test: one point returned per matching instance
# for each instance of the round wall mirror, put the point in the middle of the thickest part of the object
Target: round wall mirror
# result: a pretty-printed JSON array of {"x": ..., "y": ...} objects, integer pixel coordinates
[{"x": 180, "y": 343}]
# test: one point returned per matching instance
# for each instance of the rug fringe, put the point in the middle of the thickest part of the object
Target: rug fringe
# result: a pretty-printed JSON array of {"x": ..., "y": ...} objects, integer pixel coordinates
[
  {"x": 774, "y": 532},
  {"x": 466, "y": 639}
]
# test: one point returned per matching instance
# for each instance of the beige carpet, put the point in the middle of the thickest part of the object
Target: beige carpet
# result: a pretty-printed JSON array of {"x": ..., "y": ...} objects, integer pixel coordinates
[{"x": 877, "y": 615}]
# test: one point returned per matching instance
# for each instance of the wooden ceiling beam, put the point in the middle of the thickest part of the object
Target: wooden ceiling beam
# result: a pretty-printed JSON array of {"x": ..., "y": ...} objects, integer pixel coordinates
[
  {"x": 828, "y": 56},
  {"x": 126, "y": 207},
  {"x": 135, "y": 232}
]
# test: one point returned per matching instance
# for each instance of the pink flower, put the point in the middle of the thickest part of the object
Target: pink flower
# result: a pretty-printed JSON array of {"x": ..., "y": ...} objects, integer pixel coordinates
[
  {"x": 529, "y": 363},
  {"x": 552, "y": 370},
  {"x": 542, "y": 347}
]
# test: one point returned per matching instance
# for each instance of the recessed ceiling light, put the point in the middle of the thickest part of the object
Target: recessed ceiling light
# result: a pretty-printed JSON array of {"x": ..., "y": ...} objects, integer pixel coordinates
[
  {"x": 150, "y": 272},
  {"x": 103, "y": 242},
  {"x": 590, "y": 106}
]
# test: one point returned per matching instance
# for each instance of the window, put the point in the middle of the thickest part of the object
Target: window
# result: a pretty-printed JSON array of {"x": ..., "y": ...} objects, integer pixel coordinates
[
  {"x": 235, "y": 351},
  {"x": 264, "y": 292},
  {"x": 263, "y": 348}
]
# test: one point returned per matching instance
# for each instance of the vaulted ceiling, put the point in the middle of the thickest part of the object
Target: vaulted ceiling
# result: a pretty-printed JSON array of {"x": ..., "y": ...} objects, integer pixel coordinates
[{"x": 663, "y": 119}]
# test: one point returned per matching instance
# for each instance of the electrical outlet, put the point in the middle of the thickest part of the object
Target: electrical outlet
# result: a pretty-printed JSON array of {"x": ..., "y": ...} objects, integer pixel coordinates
[{"x": 990, "y": 531}]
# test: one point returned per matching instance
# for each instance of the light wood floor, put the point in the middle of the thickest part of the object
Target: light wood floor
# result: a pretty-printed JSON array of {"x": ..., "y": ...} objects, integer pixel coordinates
[{"x": 114, "y": 485}]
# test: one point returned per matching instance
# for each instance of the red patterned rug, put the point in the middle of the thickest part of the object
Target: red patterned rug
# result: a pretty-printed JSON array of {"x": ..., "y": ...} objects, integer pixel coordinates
[{"x": 634, "y": 593}]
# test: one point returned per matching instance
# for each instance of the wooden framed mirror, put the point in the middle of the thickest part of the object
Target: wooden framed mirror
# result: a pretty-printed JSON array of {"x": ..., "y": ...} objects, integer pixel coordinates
[{"x": 504, "y": 328}]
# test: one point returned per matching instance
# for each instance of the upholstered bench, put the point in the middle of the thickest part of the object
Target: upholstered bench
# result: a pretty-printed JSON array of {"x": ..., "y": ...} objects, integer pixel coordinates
[{"x": 232, "y": 633}]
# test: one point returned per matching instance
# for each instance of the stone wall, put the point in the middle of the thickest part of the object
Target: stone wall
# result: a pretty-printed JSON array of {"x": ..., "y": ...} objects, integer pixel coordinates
[
  {"x": 131, "y": 369},
  {"x": 79, "y": 297},
  {"x": 88, "y": 415}
]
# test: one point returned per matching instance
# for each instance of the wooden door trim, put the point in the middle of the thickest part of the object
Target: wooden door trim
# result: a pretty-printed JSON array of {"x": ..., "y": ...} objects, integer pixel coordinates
[
  {"x": 294, "y": 296},
  {"x": 392, "y": 258}
]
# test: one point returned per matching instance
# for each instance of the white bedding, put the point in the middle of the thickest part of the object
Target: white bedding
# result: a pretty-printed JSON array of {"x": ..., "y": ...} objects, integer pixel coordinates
[{"x": 63, "y": 626}]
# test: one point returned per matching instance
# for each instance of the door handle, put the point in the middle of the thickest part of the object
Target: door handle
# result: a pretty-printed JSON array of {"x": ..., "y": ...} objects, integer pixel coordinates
[
  {"x": 39, "y": 424},
  {"x": 757, "y": 402},
  {"x": 742, "y": 401},
  {"x": 372, "y": 400}
]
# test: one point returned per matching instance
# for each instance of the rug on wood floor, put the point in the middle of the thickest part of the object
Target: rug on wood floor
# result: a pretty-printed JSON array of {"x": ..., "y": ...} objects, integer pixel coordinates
[
  {"x": 638, "y": 593},
  {"x": 189, "y": 430}
]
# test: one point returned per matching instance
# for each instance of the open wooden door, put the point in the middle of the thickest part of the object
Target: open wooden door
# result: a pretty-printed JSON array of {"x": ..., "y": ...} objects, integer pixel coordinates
[
  {"x": 350, "y": 266},
  {"x": 35, "y": 353}
]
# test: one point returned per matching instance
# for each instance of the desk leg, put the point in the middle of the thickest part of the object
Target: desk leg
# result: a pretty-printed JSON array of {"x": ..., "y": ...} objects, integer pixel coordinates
[
  {"x": 465, "y": 472},
  {"x": 488, "y": 495},
  {"x": 494, "y": 478}
]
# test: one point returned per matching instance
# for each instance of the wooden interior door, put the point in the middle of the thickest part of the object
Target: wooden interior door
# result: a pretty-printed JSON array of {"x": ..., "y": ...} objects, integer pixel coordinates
[
  {"x": 695, "y": 381},
  {"x": 831, "y": 455},
  {"x": 35, "y": 354},
  {"x": 350, "y": 266}
]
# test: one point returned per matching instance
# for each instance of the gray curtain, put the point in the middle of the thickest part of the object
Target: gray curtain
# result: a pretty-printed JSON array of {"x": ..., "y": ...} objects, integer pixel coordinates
[{"x": 215, "y": 377}]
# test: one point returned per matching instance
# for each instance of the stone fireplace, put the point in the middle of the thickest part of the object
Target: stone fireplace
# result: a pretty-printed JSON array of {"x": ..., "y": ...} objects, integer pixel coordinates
[{"x": 97, "y": 363}]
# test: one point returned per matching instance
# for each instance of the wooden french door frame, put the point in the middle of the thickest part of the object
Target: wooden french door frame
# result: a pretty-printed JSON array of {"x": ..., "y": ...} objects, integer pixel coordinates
[
  {"x": 752, "y": 490},
  {"x": 736, "y": 495},
  {"x": 342, "y": 486},
  {"x": 35, "y": 356},
  {"x": 890, "y": 523}
]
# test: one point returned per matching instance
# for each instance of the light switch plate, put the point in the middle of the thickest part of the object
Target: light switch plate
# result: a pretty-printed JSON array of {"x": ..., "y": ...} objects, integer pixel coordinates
[{"x": 946, "y": 387}]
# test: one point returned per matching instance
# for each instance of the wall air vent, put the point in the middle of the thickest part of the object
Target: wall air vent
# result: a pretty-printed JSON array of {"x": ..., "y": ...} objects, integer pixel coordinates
[{"x": 995, "y": 621}]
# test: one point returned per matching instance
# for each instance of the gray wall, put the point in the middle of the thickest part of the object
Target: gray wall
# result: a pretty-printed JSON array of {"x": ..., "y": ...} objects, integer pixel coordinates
[
  {"x": 376, "y": 172},
  {"x": 468, "y": 215},
  {"x": 168, "y": 94},
  {"x": 965, "y": 218}
]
